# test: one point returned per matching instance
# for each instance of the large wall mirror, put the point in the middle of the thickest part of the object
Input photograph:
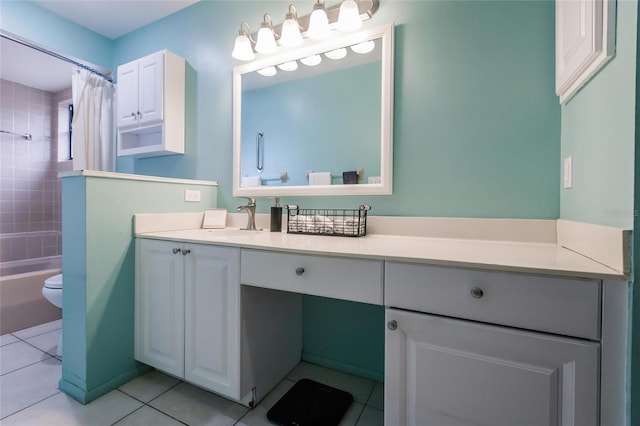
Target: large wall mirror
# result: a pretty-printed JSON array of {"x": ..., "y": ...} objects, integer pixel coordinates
[{"x": 297, "y": 132}]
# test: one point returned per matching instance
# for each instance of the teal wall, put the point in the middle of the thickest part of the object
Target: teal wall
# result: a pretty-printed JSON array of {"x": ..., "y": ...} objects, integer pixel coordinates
[
  {"x": 31, "y": 22},
  {"x": 98, "y": 267},
  {"x": 477, "y": 123},
  {"x": 303, "y": 130},
  {"x": 598, "y": 131}
]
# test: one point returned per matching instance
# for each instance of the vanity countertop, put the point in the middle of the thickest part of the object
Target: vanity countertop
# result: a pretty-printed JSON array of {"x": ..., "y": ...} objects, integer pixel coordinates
[{"x": 529, "y": 257}]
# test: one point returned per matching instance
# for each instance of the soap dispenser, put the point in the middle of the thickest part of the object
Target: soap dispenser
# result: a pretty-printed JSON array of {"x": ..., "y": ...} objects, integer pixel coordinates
[{"x": 276, "y": 216}]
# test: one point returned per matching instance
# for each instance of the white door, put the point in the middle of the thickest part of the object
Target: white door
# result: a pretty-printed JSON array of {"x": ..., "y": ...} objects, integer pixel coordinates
[
  {"x": 445, "y": 372},
  {"x": 159, "y": 313},
  {"x": 151, "y": 88},
  {"x": 212, "y": 320},
  {"x": 127, "y": 99}
]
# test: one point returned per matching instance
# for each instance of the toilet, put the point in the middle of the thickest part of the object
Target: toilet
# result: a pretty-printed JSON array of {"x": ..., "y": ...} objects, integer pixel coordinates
[{"x": 52, "y": 291}]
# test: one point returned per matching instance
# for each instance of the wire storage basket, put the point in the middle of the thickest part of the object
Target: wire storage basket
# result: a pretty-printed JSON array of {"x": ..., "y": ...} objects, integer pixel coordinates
[{"x": 338, "y": 222}]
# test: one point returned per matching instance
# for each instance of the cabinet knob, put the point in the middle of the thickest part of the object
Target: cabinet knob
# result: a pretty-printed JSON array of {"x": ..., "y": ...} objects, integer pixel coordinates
[
  {"x": 392, "y": 325},
  {"x": 477, "y": 292},
  {"x": 299, "y": 270},
  {"x": 133, "y": 114},
  {"x": 139, "y": 114},
  {"x": 186, "y": 252},
  {"x": 176, "y": 250}
]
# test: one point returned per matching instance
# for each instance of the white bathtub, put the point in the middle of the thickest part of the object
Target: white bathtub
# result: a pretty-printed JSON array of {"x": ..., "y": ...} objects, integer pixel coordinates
[{"x": 21, "y": 302}]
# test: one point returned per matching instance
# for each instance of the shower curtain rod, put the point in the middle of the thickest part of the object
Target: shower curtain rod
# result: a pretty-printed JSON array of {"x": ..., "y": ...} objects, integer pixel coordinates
[{"x": 56, "y": 55}]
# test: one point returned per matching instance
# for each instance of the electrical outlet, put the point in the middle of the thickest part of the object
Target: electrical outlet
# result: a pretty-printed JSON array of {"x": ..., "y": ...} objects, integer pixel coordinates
[
  {"x": 568, "y": 172},
  {"x": 374, "y": 179},
  {"x": 191, "y": 195}
]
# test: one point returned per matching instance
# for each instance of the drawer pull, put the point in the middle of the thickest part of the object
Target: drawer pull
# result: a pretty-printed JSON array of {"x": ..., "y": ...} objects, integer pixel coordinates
[
  {"x": 299, "y": 270},
  {"x": 186, "y": 252},
  {"x": 176, "y": 250},
  {"x": 477, "y": 292},
  {"x": 392, "y": 325}
]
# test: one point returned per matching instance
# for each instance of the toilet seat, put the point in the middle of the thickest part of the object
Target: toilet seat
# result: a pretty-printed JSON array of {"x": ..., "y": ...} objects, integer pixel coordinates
[{"x": 54, "y": 283}]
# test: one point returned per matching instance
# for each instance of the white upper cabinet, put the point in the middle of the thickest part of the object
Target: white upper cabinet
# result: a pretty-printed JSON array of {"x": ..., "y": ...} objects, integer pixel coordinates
[
  {"x": 151, "y": 106},
  {"x": 585, "y": 42}
]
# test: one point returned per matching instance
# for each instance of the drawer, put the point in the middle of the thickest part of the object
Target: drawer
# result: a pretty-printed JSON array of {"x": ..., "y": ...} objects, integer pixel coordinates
[
  {"x": 566, "y": 306},
  {"x": 338, "y": 278}
]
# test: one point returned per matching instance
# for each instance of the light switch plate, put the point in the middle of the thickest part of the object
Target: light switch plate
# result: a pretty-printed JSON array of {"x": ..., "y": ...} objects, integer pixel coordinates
[{"x": 568, "y": 173}]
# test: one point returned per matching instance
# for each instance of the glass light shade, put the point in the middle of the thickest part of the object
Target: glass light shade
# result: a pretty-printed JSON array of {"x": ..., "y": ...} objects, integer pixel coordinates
[
  {"x": 364, "y": 47},
  {"x": 289, "y": 66},
  {"x": 242, "y": 48},
  {"x": 349, "y": 17},
  {"x": 318, "y": 23},
  {"x": 291, "y": 36},
  {"x": 311, "y": 61},
  {"x": 266, "y": 42},
  {"x": 337, "y": 54},
  {"x": 268, "y": 71}
]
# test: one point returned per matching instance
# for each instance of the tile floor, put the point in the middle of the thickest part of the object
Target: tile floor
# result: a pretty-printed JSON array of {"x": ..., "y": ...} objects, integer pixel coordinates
[{"x": 29, "y": 394}]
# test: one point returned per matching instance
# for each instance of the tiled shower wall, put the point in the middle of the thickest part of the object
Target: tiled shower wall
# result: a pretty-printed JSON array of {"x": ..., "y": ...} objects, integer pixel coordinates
[{"x": 30, "y": 213}]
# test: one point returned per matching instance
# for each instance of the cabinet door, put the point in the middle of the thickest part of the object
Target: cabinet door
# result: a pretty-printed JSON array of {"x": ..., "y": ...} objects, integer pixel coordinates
[
  {"x": 159, "y": 313},
  {"x": 212, "y": 321},
  {"x": 127, "y": 99},
  {"x": 151, "y": 87},
  {"x": 441, "y": 371}
]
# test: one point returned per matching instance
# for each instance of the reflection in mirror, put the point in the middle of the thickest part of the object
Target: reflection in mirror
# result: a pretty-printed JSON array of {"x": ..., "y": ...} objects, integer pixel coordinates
[{"x": 296, "y": 132}]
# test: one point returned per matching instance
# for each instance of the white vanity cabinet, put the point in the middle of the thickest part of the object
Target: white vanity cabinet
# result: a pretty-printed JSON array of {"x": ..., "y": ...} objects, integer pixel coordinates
[
  {"x": 444, "y": 370},
  {"x": 187, "y": 314},
  {"x": 151, "y": 106}
]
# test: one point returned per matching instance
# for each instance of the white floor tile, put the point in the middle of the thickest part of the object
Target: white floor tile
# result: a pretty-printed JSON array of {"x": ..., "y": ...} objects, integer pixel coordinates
[
  {"x": 357, "y": 386},
  {"x": 371, "y": 417},
  {"x": 17, "y": 355},
  {"x": 376, "y": 400},
  {"x": 351, "y": 416},
  {"x": 195, "y": 406},
  {"x": 258, "y": 416},
  {"x": 38, "y": 329},
  {"x": 29, "y": 385},
  {"x": 61, "y": 409},
  {"x": 47, "y": 342},
  {"x": 149, "y": 385},
  {"x": 147, "y": 416},
  {"x": 5, "y": 339}
]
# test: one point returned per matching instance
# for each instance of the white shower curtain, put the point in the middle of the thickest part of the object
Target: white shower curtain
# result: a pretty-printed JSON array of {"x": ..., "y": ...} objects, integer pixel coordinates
[{"x": 92, "y": 138}]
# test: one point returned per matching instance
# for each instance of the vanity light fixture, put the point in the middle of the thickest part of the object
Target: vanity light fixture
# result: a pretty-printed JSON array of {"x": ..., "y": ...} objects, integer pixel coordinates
[
  {"x": 266, "y": 40},
  {"x": 242, "y": 49},
  {"x": 349, "y": 17},
  {"x": 346, "y": 16},
  {"x": 289, "y": 66},
  {"x": 318, "y": 23},
  {"x": 364, "y": 47},
  {"x": 268, "y": 71},
  {"x": 336, "y": 54},
  {"x": 311, "y": 61},
  {"x": 291, "y": 36}
]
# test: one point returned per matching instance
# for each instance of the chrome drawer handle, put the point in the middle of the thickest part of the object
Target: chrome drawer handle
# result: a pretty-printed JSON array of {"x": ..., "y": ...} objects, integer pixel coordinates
[
  {"x": 392, "y": 325},
  {"x": 299, "y": 270},
  {"x": 477, "y": 292},
  {"x": 186, "y": 252},
  {"x": 176, "y": 250}
]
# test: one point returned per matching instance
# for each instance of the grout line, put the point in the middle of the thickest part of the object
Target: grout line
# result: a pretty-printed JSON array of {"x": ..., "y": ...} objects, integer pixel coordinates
[
  {"x": 126, "y": 415},
  {"x": 31, "y": 405},
  {"x": 168, "y": 415},
  {"x": 163, "y": 392}
]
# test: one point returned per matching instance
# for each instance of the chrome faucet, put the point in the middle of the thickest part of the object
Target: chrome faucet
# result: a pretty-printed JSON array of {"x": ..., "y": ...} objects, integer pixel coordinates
[{"x": 250, "y": 208}]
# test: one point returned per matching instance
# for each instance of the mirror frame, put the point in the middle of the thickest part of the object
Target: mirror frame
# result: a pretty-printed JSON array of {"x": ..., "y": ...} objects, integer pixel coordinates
[{"x": 385, "y": 187}]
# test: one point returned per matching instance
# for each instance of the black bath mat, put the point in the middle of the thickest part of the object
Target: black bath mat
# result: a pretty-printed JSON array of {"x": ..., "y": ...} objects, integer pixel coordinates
[{"x": 310, "y": 403}]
